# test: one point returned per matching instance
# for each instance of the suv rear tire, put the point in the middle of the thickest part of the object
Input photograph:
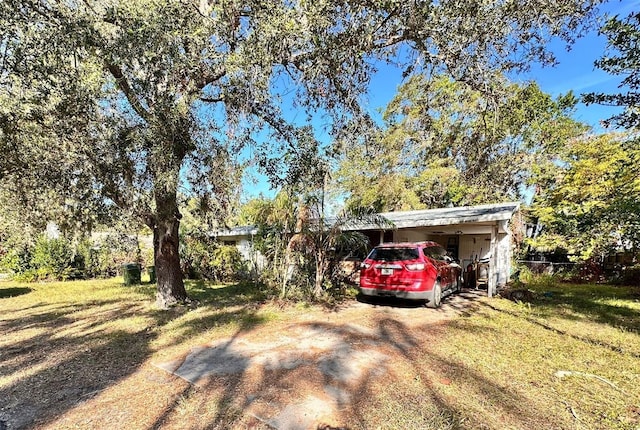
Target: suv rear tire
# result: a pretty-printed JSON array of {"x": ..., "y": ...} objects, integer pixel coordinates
[{"x": 437, "y": 296}]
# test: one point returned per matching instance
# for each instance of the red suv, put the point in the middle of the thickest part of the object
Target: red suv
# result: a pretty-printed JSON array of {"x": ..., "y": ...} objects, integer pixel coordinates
[{"x": 420, "y": 271}]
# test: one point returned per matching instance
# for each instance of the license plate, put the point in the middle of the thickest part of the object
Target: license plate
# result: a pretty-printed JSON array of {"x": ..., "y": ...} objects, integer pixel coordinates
[{"x": 386, "y": 271}]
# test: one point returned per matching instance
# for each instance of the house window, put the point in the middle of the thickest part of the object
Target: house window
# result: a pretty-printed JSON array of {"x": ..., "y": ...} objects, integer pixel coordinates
[
  {"x": 452, "y": 246},
  {"x": 229, "y": 242}
]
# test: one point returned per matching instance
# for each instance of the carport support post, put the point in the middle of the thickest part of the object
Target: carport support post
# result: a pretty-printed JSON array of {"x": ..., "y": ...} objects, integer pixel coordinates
[{"x": 493, "y": 262}]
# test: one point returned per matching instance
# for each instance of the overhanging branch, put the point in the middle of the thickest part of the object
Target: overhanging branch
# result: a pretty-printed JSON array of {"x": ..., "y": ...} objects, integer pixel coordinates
[
  {"x": 124, "y": 86},
  {"x": 285, "y": 130},
  {"x": 210, "y": 78},
  {"x": 212, "y": 99}
]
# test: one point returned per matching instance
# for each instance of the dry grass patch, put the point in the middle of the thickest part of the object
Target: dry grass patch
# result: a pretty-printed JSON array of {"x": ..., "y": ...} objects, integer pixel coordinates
[
  {"x": 561, "y": 361},
  {"x": 82, "y": 355},
  {"x": 69, "y": 345},
  {"x": 568, "y": 359}
]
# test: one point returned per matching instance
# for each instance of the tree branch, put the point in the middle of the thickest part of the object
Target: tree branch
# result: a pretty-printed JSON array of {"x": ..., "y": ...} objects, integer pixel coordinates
[
  {"x": 212, "y": 99},
  {"x": 209, "y": 78},
  {"x": 387, "y": 19},
  {"x": 389, "y": 41},
  {"x": 124, "y": 86},
  {"x": 285, "y": 130}
]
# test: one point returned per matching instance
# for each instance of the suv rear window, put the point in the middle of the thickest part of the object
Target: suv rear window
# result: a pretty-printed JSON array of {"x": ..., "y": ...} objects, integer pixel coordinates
[
  {"x": 435, "y": 252},
  {"x": 394, "y": 254}
]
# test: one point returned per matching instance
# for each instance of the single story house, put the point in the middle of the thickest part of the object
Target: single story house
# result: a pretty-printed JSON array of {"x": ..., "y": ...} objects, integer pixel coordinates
[
  {"x": 242, "y": 238},
  {"x": 470, "y": 234}
]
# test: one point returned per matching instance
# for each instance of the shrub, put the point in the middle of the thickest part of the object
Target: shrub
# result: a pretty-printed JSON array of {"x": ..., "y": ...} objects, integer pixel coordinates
[
  {"x": 544, "y": 281},
  {"x": 537, "y": 281},
  {"x": 46, "y": 259},
  {"x": 590, "y": 271},
  {"x": 29, "y": 275},
  {"x": 105, "y": 258},
  {"x": 54, "y": 258},
  {"x": 17, "y": 259},
  {"x": 60, "y": 259},
  {"x": 202, "y": 257},
  {"x": 629, "y": 275},
  {"x": 196, "y": 255},
  {"x": 227, "y": 264},
  {"x": 523, "y": 274}
]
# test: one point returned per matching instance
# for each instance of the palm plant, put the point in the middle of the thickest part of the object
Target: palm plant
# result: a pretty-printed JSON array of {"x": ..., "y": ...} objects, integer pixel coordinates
[{"x": 322, "y": 239}]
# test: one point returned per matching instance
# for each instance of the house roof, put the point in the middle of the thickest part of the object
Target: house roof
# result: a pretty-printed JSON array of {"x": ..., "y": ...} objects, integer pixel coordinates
[
  {"x": 243, "y": 230},
  {"x": 418, "y": 218},
  {"x": 447, "y": 216}
]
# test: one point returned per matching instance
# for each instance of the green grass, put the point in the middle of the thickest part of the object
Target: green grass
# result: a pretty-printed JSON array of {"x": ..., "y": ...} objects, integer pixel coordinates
[{"x": 503, "y": 365}]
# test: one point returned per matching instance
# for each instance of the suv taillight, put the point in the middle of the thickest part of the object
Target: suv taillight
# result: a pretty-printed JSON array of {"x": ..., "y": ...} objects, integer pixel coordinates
[{"x": 415, "y": 267}]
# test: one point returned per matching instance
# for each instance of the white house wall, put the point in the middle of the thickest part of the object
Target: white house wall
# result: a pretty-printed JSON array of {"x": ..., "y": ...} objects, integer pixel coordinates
[
  {"x": 245, "y": 248},
  {"x": 410, "y": 235},
  {"x": 475, "y": 228},
  {"x": 504, "y": 258},
  {"x": 244, "y": 245},
  {"x": 474, "y": 246}
]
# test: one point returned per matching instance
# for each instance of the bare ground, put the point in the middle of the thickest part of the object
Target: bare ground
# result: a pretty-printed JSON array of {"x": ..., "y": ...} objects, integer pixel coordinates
[
  {"x": 315, "y": 368},
  {"x": 314, "y": 372}
]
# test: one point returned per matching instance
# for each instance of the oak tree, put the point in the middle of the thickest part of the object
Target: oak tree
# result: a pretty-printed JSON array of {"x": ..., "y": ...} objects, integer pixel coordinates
[
  {"x": 445, "y": 143},
  {"x": 122, "y": 103}
]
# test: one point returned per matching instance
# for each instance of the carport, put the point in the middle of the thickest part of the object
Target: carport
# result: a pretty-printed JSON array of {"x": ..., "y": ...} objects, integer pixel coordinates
[{"x": 471, "y": 234}]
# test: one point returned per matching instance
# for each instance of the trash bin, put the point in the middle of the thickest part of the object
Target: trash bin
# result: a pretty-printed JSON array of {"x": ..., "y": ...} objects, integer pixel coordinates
[
  {"x": 131, "y": 273},
  {"x": 151, "y": 270}
]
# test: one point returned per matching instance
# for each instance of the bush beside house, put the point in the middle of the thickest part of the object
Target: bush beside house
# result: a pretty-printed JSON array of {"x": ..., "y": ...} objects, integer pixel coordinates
[{"x": 62, "y": 259}]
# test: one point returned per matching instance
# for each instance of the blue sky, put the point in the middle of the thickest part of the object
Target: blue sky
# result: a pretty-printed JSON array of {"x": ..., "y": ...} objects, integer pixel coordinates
[{"x": 575, "y": 71}]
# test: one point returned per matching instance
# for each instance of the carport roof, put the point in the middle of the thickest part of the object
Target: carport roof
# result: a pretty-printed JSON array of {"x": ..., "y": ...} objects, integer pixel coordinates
[{"x": 446, "y": 216}]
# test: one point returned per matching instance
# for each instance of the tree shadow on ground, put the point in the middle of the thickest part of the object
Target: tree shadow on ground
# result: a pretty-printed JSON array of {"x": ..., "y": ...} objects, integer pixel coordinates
[
  {"x": 393, "y": 302},
  {"x": 353, "y": 391},
  {"x": 591, "y": 303},
  {"x": 427, "y": 400},
  {"x": 582, "y": 303},
  {"x": 463, "y": 303},
  {"x": 60, "y": 355},
  {"x": 236, "y": 365},
  {"x": 49, "y": 315},
  {"x": 240, "y": 293},
  {"x": 57, "y": 372},
  {"x": 542, "y": 322},
  {"x": 14, "y": 292}
]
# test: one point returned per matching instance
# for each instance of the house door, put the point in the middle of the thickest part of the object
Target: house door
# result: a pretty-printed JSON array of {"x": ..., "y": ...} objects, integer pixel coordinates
[{"x": 453, "y": 246}]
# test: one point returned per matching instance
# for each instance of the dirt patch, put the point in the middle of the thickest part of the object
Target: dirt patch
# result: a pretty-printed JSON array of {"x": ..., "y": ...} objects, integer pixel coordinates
[{"x": 303, "y": 375}]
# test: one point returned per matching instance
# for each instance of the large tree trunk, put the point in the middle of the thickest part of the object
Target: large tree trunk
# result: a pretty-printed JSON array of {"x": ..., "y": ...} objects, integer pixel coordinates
[
  {"x": 166, "y": 160},
  {"x": 165, "y": 243}
]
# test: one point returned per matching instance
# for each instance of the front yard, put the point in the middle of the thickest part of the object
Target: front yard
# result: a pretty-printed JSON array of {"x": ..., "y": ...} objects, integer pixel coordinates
[{"x": 85, "y": 355}]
